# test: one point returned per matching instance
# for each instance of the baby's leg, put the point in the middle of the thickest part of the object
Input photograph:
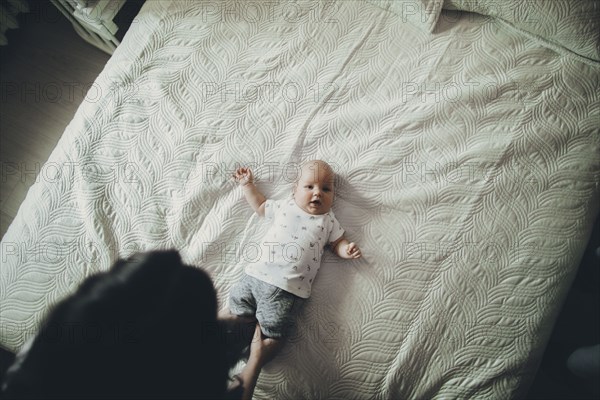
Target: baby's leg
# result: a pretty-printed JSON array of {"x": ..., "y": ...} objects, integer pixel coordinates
[
  {"x": 265, "y": 348},
  {"x": 226, "y": 316},
  {"x": 262, "y": 350},
  {"x": 275, "y": 314},
  {"x": 239, "y": 319},
  {"x": 238, "y": 329}
]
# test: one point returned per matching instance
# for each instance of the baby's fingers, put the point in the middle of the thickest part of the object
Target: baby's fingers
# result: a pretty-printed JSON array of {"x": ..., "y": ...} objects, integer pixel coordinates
[
  {"x": 353, "y": 250},
  {"x": 243, "y": 175},
  {"x": 240, "y": 172}
]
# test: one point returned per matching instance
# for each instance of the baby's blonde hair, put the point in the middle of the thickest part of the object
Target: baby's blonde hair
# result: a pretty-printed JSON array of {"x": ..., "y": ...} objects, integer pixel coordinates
[{"x": 319, "y": 163}]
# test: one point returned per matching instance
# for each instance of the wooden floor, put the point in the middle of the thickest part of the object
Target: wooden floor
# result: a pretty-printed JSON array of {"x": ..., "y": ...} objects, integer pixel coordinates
[{"x": 45, "y": 71}]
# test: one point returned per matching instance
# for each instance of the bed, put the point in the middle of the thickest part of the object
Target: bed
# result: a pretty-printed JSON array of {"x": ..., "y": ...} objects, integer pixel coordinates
[{"x": 466, "y": 141}]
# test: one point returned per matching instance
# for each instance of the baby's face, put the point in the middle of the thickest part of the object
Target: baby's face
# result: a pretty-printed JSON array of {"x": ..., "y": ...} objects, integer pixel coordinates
[{"x": 314, "y": 190}]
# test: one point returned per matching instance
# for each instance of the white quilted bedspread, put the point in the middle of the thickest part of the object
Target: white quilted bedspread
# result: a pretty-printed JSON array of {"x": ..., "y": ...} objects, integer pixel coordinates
[{"x": 468, "y": 164}]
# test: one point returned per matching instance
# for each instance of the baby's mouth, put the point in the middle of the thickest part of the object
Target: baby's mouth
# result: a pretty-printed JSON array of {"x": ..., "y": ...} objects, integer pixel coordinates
[{"x": 315, "y": 203}]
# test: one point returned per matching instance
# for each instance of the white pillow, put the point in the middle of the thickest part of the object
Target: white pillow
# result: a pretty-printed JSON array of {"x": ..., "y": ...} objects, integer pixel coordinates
[
  {"x": 574, "y": 24},
  {"x": 422, "y": 13}
]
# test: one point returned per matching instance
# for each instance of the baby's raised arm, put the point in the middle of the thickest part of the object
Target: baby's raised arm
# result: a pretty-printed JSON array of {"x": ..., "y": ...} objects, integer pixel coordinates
[
  {"x": 253, "y": 196},
  {"x": 346, "y": 249}
]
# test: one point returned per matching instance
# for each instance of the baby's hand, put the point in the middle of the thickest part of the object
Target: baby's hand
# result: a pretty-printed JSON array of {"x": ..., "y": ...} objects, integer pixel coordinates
[
  {"x": 243, "y": 176},
  {"x": 352, "y": 250}
]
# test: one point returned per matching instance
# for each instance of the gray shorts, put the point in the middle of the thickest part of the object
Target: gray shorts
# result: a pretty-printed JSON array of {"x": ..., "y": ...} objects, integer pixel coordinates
[{"x": 273, "y": 307}]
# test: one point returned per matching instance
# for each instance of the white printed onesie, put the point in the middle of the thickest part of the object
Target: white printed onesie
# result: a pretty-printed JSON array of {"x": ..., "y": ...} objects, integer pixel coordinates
[{"x": 290, "y": 254}]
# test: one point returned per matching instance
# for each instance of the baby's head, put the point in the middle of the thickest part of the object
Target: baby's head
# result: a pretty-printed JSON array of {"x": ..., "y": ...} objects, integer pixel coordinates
[{"x": 314, "y": 188}]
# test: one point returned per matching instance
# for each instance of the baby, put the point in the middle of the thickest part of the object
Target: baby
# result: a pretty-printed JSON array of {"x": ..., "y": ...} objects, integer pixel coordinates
[{"x": 274, "y": 286}]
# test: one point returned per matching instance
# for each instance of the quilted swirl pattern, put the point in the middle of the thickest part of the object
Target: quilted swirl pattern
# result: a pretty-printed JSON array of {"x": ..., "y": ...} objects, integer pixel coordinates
[
  {"x": 573, "y": 25},
  {"x": 468, "y": 166}
]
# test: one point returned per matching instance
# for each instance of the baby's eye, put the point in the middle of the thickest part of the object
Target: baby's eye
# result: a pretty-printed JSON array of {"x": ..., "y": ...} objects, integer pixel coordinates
[
  {"x": 308, "y": 186},
  {"x": 326, "y": 189}
]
